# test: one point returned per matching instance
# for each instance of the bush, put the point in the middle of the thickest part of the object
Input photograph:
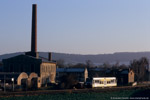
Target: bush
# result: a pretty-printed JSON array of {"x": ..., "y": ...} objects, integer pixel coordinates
[{"x": 68, "y": 81}]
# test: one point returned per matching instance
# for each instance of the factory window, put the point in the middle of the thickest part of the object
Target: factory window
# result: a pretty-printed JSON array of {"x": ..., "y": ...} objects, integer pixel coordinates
[
  {"x": 43, "y": 69},
  {"x": 50, "y": 68}
]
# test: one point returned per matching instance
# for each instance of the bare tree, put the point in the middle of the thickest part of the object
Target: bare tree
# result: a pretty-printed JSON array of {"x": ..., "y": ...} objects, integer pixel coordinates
[
  {"x": 106, "y": 65},
  {"x": 60, "y": 63},
  {"x": 89, "y": 64},
  {"x": 140, "y": 68}
]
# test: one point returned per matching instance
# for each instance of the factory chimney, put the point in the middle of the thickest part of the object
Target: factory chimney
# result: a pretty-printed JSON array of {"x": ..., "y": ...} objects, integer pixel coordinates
[
  {"x": 34, "y": 29},
  {"x": 33, "y": 51},
  {"x": 50, "y": 56}
]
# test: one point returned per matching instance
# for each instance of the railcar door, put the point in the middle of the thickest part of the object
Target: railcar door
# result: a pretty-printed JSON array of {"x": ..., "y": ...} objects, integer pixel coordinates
[{"x": 105, "y": 82}]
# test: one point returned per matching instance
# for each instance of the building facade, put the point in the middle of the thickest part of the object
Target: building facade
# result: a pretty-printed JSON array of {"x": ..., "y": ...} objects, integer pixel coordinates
[
  {"x": 125, "y": 77},
  {"x": 80, "y": 73},
  {"x": 45, "y": 70}
]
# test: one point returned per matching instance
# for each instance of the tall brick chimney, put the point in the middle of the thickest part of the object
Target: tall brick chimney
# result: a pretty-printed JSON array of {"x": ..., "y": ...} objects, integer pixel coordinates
[
  {"x": 33, "y": 51},
  {"x": 34, "y": 29}
]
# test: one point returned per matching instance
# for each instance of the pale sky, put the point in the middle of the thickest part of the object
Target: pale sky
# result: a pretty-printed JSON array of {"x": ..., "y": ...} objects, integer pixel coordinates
[{"x": 76, "y": 26}]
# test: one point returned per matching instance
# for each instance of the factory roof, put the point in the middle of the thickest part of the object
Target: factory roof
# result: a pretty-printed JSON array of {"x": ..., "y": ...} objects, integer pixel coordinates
[
  {"x": 70, "y": 70},
  {"x": 19, "y": 57}
]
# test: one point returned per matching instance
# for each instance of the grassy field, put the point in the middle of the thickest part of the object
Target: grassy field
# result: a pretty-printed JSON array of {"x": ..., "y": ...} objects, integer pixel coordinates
[{"x": 123, "y": 94}]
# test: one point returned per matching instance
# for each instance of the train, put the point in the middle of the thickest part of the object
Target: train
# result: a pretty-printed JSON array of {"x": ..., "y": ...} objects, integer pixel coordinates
[{"x": 96, "y": 82}]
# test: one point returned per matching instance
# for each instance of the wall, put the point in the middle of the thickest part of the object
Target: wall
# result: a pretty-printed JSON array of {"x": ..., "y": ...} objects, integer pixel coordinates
[
  {"x": 47, "y": 72},
  {"x": 130, "y": 76}
]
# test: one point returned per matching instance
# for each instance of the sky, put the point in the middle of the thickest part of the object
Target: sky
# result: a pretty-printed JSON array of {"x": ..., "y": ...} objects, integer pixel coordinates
[{"x": 76, "y": 26}]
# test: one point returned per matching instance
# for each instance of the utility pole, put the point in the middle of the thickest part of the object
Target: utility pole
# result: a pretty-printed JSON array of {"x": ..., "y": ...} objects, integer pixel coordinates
[
  {"x": 4, "y": 83},
  {"x": 13, "y": 82}
]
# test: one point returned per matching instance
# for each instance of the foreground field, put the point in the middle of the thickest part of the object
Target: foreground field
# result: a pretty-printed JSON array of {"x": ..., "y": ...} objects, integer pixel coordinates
[{"x": 121, "y": 94}]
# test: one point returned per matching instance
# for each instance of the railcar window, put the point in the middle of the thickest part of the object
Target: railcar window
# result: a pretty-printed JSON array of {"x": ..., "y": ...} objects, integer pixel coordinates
[
  {"x": 108, "y": 82},
  {"x": 112, "y": 81},
  {"x": 101, "y": 82},
  {"x": 96, "y": 81}
]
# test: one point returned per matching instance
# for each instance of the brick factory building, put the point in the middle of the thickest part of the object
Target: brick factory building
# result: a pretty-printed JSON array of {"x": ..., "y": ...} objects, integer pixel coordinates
[{"x": 31, "y": 69}]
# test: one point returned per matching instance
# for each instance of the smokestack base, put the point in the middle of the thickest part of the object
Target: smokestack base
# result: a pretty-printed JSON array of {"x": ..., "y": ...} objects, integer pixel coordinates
[{"x": 33, "y": 54}]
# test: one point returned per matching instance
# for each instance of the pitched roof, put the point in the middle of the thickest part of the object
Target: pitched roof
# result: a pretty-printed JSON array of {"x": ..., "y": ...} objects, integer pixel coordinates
[
  {"x": 124, "y": 71},
  {"x": 30, "y": 57},
  {"x": 46, "y": 60},
  {"x": 70, "y": 70}
]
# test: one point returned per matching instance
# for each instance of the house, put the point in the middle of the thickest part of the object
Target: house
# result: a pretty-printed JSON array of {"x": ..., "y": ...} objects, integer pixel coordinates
[
  {"x": 80, "y": 73},
  {"x": 125, "y": 76}
]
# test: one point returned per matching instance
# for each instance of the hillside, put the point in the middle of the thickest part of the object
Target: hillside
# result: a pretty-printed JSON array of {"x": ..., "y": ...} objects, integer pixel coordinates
[{"x": 123, "y": 57}]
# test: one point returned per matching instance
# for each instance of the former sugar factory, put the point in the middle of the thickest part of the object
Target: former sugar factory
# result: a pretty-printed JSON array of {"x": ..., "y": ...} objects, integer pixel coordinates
[{"x": 30, "y": 71}]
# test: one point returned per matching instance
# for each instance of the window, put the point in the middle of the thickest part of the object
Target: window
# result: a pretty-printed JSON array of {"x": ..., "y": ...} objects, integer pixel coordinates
[
  {"x": 112, "y": 81},
  {"x": 101, "y": 82},
  {"x": 108, "y": 82},
  {"x": 96, "y": 81}
]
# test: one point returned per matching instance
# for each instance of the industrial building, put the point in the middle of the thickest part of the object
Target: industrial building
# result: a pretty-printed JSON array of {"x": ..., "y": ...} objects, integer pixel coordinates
[
  {"x": 80, "y": 73},
  {"x": 30, "y": 69}
]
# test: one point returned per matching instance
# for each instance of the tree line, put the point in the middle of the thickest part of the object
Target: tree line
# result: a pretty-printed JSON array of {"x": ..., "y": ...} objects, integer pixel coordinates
[{"x": 139, "y": 66}]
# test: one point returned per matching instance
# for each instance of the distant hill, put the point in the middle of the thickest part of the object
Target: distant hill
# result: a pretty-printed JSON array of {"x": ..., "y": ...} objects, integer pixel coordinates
[{"x": 123, "y": 57}]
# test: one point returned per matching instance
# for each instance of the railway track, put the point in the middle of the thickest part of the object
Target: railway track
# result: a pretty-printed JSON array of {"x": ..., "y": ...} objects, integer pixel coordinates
[{"x": 87, "y": 90}]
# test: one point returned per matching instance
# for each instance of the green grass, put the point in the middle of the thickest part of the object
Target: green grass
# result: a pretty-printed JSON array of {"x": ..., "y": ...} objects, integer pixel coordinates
[{"x": 77, "y": 96}]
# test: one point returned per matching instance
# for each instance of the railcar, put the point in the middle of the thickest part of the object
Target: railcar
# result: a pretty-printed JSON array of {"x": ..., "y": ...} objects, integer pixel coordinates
[{"x": 101, "y": 82}]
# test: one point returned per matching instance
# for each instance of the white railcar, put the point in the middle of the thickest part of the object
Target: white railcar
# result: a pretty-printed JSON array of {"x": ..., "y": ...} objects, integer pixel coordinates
[{"x": 102, "y": 82}]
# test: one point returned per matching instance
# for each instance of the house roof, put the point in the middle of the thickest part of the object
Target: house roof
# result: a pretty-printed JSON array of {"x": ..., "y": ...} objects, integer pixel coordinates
[
  {"x": 124, "y": 72},
  {"x": 97, "y": 69},
  {"x": 70, "y": 70}
]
